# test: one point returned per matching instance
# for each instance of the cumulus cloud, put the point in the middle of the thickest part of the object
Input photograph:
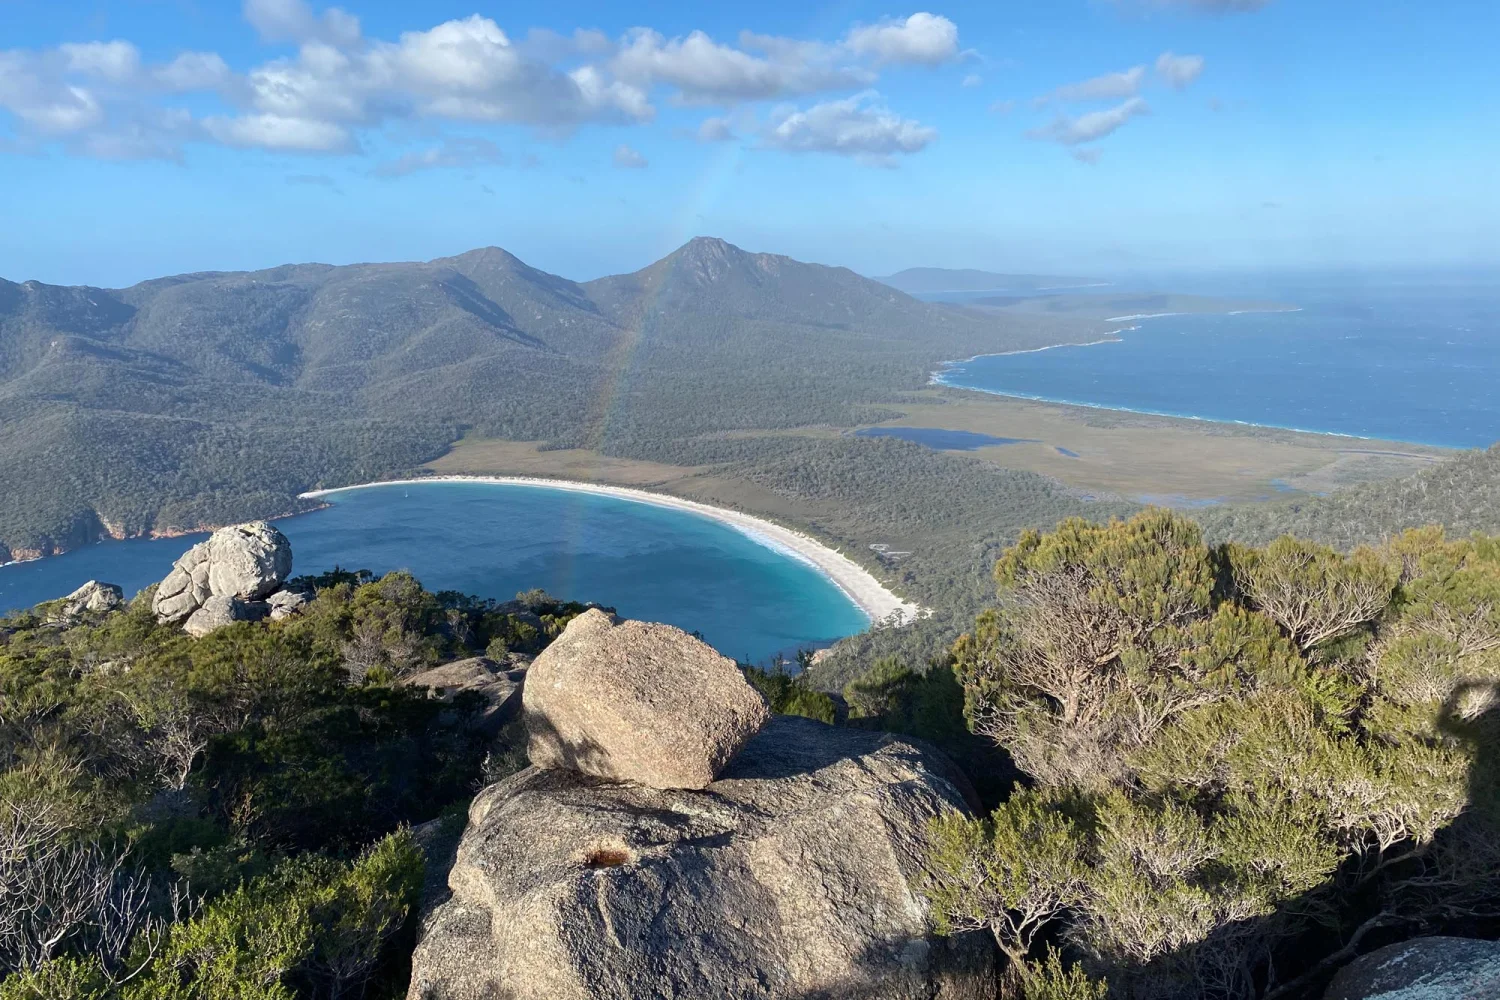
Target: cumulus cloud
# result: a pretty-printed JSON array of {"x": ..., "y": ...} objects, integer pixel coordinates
[
  {"x": 116, "y": 61},
  {"x": 105, "y": 98},
  {"x": 1109, "y": 87},
  {"x": 922, "y": 39},
  {"x": 467, "y": 151},
  {"x": 1178, "y": 71},
  {"x": 280, "y": 132},
  {"x": 973, "y": 80},
  {"x": 193, "y": 71},
  {"x": 859, "y": 126},
  {"x": 628, "y": 158},
  {"x": 708, "y": 72},
  {"x": 294, "y": 21},
  {"x": 1094, "y": 125},
  {"x": 715, "y": 130}
]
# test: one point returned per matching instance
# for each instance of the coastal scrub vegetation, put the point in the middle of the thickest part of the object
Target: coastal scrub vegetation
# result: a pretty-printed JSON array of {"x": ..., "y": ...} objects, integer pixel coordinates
[
  {"x": 1239, "y": 766},
  {"x": 232, "y": 816}
]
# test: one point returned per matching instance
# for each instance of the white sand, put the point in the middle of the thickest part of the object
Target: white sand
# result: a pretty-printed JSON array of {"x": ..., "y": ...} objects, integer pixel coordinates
[{"x": 867, "y": 593}]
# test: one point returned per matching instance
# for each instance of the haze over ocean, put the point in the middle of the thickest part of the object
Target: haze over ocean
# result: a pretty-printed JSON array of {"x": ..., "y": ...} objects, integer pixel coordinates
[
  {"x": 1411, "y": 357},
  {"x": 491, "y": 540}
]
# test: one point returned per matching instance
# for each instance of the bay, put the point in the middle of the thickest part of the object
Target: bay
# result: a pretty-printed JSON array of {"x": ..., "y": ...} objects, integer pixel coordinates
[
  {"x": 748, "y": 600},
  {"x": 1400, "y": 358}
]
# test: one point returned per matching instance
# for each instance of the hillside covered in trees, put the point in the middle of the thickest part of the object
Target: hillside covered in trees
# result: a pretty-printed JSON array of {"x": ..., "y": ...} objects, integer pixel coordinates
[{"x": 210, "y": 398}]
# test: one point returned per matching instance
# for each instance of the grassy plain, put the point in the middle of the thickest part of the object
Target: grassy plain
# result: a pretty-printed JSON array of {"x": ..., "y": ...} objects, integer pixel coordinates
[
  {"x": 1104, "y": 453},
  {"x": 1164, "y": 459}
]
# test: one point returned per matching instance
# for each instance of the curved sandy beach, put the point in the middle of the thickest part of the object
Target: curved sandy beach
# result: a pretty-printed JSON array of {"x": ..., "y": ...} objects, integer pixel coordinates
[{"x": 867, "y": 593}]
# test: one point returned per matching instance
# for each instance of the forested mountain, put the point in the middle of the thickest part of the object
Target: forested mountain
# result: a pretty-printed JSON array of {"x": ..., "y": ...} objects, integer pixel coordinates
[{"x": 211, "y": 397}]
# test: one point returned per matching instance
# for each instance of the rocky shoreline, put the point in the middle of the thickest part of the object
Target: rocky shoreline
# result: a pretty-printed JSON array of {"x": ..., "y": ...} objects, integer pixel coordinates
[{"x": 115, "y": 533}]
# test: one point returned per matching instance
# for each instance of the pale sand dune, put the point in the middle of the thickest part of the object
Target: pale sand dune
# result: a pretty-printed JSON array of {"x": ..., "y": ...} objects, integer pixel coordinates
[{"x": 868, "y": 593}]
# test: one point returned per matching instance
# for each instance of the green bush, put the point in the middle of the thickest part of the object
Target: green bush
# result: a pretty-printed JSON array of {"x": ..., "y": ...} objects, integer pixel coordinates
[{"x": 1223, "y": 744}]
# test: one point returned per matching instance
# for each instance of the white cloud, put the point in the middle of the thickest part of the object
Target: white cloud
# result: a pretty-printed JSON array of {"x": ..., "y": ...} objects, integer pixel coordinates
[
  {"x": 715, "y": 130},
  {"x": 1109, "y": 87},
  {"x": 294, "y": 21},
  {"x": 1086, "y": 154},
  {"x": 193, "y": 71},
  {"x": 1178, "y": 71},
  {"x": 973, "y": 80},
  {"x": 857, "y": 126},
  {"x": 278, "y": 132},
  {"x": 463, "y": 151},
  {"x": 116, "y": 61},
  {"x": 921, "y": 39},
  {"x": 336, "y": 83},
  {"x": 628, "y": 158},
  {"x": 708, "y": 72},
  {"x": 1094, "y": 125},
  {"x": 1003, "y": 107}
]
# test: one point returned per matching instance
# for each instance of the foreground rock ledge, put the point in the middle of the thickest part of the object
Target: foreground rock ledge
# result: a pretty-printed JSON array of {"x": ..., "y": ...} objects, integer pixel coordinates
[
  {"x": 792, "y": 876},
  {"x": 637, "y": 701}
]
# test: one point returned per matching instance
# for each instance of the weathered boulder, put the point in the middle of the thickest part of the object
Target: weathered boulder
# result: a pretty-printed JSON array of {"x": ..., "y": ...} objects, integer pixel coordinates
[
  {"x": 793, "y": 875},
  {"x": 638, "y": 701},
  {"x": 248, "y": 561},
  {"x": 285, "y": 603},
  {"x": 1425, "y": 968},
  {"x": 219, "y": 611},
  {"x": 500, "y": 688},
  {"x": 93, "y": 596}
]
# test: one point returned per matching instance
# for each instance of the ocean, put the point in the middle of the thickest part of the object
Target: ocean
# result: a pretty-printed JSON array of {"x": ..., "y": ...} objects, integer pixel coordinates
[
  {"x": 657, "y": 564},
  {"x": 1412, "y": 357}
]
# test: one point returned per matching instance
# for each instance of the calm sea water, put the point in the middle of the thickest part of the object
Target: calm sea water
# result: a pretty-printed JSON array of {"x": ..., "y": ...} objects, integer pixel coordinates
[
  {"x": 1405, "y": 358},
  {"x": 651, "y": 563}
]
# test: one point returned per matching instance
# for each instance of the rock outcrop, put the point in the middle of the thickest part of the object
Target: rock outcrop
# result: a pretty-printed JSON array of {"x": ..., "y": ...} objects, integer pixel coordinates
[
  {"x": 219, "y": 611},
  {"x": 792, "y": 876},
  {"x": 1426, "y": 968},
  {"x": 93, "y": 596},
  {"x": 285, "y": 603},
  {"x": 246, "y": 561},
  {"x": 500, "y": 688},
  {"x": 637, "y": 701}
]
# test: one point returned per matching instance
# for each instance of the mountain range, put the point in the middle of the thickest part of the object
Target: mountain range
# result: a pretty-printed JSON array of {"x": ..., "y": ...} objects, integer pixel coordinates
[{"x": 203, "y": 398}]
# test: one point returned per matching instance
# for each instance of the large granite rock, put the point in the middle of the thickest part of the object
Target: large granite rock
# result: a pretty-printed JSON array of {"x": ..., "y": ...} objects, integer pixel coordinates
[
  {"x": 219, "y": 611},
  {"x": 638, "y": 701},
  {"x": 285, "y": 603},
  {"x": 1426, "y": 968},
  {"x": 500, "y": 688},
  {"x": 792, "y": 876},
  {"x": 93, "y": 596},
  {"x": 245, "y": 561}
]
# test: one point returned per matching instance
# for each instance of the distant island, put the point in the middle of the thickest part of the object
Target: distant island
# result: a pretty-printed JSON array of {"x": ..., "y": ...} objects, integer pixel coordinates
[
  {"x": 1112, "y": 307},
  {"x": 932, "y": 280}
]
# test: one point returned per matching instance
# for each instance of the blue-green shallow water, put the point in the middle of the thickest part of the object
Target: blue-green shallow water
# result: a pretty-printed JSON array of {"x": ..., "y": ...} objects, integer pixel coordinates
[{"x": 650, "y": 562}]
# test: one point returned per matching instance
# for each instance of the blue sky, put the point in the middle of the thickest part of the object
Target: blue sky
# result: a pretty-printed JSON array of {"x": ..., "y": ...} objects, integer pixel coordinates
[{"x": 1101, "y": 136}]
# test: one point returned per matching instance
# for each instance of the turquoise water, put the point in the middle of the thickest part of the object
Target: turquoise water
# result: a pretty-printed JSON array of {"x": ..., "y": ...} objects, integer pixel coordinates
[
  {"x": 650, "y": 562},
  {"x": 1398, "y": 358}
]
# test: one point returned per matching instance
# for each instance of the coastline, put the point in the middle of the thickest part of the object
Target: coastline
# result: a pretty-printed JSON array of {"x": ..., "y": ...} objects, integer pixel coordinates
[
  {"x": 853, "y": 580},
  {"x": 940, "y": 377}
]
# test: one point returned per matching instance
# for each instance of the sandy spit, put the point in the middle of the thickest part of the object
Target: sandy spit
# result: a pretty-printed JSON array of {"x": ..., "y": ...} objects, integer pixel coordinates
[{"x": 867, "y": 593}]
